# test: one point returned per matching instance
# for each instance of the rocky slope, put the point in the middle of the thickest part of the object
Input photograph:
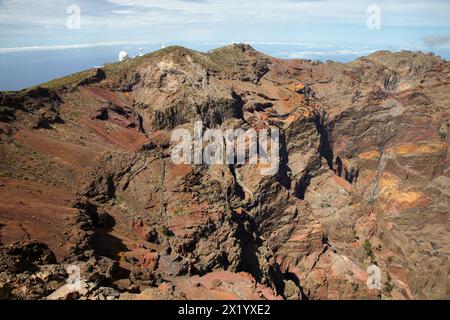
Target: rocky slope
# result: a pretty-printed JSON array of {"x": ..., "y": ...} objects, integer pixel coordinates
[{"x": 86, "y": 179}]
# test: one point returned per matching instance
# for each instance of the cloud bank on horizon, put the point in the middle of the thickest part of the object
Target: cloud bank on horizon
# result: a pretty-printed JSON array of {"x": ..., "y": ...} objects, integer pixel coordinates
[{"x": 42, "y": 24}]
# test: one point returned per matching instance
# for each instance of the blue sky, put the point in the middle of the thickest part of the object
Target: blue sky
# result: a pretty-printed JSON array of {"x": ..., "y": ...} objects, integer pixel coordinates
[
  {"x": 323, "y": 29},
  {"x": 404, "y": 23}
]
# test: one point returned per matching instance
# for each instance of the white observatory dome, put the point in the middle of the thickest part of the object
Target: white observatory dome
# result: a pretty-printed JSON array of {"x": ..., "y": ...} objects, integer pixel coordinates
[{"x": 123, "y": 55}]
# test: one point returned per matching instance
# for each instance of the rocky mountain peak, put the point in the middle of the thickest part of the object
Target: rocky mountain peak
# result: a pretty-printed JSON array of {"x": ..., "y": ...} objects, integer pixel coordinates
[{"x": 86, "y": 178}]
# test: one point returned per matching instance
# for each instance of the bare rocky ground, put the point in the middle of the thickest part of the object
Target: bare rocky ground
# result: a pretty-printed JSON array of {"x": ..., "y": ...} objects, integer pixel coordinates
[{"x": 86, "y": 179}]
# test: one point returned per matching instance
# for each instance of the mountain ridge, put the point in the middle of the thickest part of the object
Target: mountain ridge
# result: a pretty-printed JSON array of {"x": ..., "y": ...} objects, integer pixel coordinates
[
  {"x": 363, "y": 179},
  {"x": 84, "y": 73}
]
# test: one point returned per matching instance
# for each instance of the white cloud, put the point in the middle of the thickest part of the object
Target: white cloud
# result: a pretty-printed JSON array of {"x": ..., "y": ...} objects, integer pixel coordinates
[
  {"x": 33, "y": 12},
  {"x": 124, "y": 11},
  {"x": 70, "y": 46},
  {"x": 151, "y": 12},
  {"x": 29, "y": 22},
  {"x": 305, "y": 54},
  {"x": 399, "y": 13}
]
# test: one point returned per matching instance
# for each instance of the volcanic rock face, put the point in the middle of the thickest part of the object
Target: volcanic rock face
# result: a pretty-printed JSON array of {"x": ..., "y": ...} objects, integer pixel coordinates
[{"x": 86, "y": 179}]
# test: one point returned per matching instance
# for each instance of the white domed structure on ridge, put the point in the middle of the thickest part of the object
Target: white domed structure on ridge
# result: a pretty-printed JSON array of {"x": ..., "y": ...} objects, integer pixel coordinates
[{"x": 123, "y": 55}]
